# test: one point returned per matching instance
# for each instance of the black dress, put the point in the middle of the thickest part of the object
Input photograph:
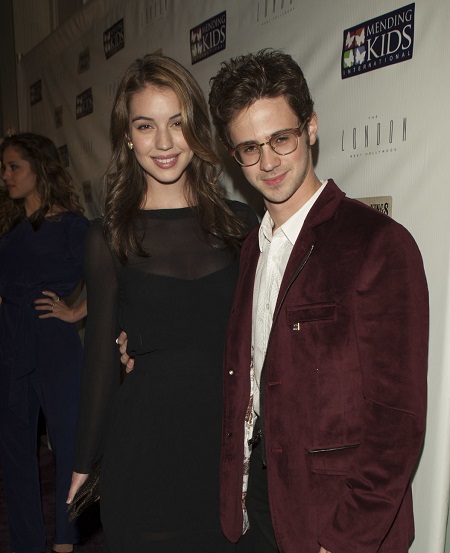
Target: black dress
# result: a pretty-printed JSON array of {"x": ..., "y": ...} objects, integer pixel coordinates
[{"x": 159, "y": 431}]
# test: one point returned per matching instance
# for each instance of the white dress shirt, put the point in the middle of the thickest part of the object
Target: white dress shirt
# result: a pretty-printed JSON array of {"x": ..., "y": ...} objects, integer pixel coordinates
[{"x": 276, "y": 248}]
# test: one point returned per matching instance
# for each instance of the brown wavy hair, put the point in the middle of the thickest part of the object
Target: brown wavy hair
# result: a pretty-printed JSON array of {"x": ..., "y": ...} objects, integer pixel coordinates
[
  {"x": 124, "y": 179},
  {"x": 54, "y": 184},
  {"x": 245, "y": 79}
]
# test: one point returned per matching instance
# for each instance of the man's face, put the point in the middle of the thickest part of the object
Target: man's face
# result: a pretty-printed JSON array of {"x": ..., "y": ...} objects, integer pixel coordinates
[{"x": 286, "y": 182}]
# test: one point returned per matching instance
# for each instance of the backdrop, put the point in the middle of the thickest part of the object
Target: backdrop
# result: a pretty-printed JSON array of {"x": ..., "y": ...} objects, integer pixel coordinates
[{"x": 380, "y": 75}]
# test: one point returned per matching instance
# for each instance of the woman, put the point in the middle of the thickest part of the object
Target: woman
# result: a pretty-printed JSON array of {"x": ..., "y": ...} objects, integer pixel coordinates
[
  {"x": 40, "y": 359},
  {"x": 163, "y": 265}
]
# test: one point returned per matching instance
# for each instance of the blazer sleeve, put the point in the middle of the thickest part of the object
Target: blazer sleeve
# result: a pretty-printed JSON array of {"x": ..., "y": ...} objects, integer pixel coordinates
[{"x": 391, "y": 329}]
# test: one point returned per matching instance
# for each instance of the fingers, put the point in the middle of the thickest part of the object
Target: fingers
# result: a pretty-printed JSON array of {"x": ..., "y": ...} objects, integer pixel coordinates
[
  {"x": 129, "y": 365},
  {"x": 125, "y": 359},
  {"x": 122, "y": 338},
  {"x": 77, "y": 480}
]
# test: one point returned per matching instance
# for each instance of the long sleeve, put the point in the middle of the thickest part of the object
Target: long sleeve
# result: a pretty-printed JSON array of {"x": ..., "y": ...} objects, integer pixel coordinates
[{"x": 101, "y": 370}]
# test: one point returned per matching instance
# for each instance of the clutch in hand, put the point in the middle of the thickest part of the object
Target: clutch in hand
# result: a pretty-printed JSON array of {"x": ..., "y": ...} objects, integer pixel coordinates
[{"x": 88, "y": 493}]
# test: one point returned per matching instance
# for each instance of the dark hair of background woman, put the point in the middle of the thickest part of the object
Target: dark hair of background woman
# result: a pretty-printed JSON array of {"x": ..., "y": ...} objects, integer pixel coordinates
[{"x": 54, "y": 184}]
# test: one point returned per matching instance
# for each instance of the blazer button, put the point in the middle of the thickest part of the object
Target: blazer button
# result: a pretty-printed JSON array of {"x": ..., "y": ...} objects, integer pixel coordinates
[
  {"x": 231, "y": 373},
  {"x": 229, "y": 434}
]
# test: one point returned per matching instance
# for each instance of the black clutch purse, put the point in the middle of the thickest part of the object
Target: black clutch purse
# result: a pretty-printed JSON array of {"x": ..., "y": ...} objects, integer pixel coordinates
[{"x": 87, "y": 494}]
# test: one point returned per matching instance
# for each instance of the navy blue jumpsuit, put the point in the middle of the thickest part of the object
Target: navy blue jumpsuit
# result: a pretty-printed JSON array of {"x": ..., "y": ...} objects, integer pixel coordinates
[{"x": 40, "y": 364}]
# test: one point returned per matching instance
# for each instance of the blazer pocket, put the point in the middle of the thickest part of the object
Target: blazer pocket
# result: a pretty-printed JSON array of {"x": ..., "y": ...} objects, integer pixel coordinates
[
  {"x": 332, "y": 460},
  {"x": 309, "y": 313}
]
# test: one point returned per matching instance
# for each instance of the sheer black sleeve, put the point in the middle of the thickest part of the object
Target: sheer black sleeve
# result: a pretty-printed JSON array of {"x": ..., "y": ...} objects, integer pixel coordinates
[{"x": 101, "y": 369}]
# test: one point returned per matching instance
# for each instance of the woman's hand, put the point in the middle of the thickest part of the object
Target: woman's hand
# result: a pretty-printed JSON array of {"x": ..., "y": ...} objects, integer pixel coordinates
[
  {"x": 78, "y": 480},
  {"x": 56, "y": 307}
]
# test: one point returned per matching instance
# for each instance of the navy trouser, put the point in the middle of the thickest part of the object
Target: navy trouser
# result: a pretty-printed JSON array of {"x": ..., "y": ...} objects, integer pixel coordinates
[{"x": 57, "y": 392}]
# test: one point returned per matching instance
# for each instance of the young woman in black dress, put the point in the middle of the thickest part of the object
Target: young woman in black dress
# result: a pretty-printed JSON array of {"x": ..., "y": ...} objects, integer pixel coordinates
[{"x": 161, "y": 264}]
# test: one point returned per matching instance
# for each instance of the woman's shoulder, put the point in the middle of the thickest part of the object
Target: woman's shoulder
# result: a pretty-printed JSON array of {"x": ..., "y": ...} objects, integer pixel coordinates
[
  {"x": 245, "y": 213},
  {"x": 71, "y": 217}
]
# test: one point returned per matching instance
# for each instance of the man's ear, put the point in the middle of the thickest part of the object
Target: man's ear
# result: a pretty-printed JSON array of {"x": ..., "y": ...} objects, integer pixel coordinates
[{"x": 313, "y": 128}]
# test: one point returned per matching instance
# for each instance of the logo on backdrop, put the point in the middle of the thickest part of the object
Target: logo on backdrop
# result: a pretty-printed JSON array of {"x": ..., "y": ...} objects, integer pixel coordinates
[
  {"x": 36, "y": 92},
  {"x": 269, "y": 10},
  {"x": 87, "y": 190},
  {"x": 383, "y": 204},
  {"x": 64, "y": 155},
  {"x": 375, "y": 136},
  {"x": 84, "y": 60},
  {"x": 382, "y": 41},
  {"x": 209, "y": 37},
  {"x": 58, "y": 116},
  {"x": 84, "y": 104},
  {"x": 114, "y": 39}
]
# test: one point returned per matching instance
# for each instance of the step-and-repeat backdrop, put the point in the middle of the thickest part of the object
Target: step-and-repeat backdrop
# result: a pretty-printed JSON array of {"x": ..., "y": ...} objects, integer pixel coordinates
[{"x": 379, "y": 73}]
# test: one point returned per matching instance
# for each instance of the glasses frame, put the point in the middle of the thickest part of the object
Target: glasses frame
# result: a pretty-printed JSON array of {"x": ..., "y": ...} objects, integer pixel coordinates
[{"x": 296, "y": 130}]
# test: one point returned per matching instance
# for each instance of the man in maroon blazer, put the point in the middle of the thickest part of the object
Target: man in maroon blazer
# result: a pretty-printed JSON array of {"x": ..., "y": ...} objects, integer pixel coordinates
[{"x": 326, "y": 356}]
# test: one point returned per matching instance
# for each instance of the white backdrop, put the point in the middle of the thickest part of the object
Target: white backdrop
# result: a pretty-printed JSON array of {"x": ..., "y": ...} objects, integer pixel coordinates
[{"x": 383, "y": 133}]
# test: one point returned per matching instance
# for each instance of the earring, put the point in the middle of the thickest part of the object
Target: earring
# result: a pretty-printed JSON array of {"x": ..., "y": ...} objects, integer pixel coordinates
[{"x": 130, "y": 145}]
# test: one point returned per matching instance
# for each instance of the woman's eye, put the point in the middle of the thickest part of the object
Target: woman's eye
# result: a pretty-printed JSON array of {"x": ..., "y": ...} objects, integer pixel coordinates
[
  {"x": 177, "y": 124},
  {"x": 144, "y": 126}
]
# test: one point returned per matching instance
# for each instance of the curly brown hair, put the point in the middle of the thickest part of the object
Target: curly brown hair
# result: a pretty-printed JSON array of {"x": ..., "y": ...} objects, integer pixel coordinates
[
  {"x": 245, "y": 79},
  {"x": 54, "y": 184},
  {"x": 124, "y": 180}
]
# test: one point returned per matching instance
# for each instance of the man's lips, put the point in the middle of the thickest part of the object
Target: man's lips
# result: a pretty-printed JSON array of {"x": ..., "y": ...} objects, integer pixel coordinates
[{"x": 273, "y": 181}]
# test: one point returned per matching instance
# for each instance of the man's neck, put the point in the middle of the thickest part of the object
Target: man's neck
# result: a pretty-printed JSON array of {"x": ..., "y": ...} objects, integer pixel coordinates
[{"x": 281, "y": 212}]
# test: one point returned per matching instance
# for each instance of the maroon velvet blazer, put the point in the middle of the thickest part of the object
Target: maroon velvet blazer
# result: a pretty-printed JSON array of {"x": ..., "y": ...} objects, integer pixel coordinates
[{"x": 345, "y": 384}]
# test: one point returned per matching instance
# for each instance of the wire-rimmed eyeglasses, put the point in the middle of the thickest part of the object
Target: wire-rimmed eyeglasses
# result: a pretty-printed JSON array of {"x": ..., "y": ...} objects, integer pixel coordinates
[{"x": 282, "y": 143}]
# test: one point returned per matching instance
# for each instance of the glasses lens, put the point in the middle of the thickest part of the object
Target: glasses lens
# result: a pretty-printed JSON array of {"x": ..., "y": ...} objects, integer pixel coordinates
[
  {"x": 247, "y": 154},
  {"x": 284, "y": 143}
]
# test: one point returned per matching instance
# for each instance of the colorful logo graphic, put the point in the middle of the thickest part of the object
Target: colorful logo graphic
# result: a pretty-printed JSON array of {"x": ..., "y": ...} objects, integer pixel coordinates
[
  {"x": 383, "y": 41},
  {"x": 208, "y": 38}
]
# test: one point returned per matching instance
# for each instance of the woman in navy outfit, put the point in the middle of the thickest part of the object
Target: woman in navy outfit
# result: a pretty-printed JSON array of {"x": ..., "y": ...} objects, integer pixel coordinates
[{"x": 40, "y": 356}]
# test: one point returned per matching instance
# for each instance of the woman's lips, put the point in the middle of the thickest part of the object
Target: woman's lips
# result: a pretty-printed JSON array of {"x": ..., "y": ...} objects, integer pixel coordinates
[{"x": 166, "y": 162}]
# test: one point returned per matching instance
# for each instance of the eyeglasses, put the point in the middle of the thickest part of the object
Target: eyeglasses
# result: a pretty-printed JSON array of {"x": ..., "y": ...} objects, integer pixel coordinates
[{"x": 282, "y": 143}]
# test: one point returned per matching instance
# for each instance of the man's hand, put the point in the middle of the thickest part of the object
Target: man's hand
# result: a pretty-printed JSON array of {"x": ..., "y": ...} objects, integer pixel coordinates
[
  {"x": 77, "y": 480},
  {"x": 322, "y": 550},
  {"x": 125, "y": 359}
]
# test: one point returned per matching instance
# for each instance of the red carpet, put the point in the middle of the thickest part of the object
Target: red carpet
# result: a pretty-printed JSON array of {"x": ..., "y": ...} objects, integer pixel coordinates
[{"x": 90, "y": 528}]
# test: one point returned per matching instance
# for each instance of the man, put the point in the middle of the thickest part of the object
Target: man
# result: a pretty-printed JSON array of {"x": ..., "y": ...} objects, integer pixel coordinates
[{"x": 326, "y": 356}]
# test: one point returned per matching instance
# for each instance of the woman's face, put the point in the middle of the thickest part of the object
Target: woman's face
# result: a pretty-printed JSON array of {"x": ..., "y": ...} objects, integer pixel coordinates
[
  {"x": 20, "y": 179},
  {"x": 158, "y": 142}
]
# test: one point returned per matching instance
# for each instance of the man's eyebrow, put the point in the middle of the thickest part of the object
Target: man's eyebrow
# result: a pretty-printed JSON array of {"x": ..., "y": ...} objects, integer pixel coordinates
[
  {"x": 145, "y": 118},
  {"x": 268, "y": 137}
]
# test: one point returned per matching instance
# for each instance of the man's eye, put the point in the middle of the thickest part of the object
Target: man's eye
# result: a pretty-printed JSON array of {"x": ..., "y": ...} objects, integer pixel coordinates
[
  {"x": 250, "y": 149},
  {"x": 282, "y": 139}
]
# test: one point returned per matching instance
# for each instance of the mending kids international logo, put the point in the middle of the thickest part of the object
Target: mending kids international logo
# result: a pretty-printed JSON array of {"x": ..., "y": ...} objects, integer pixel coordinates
[
  {"x": 209, "y": 37},
  {"x": 377, "y": 43}
]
